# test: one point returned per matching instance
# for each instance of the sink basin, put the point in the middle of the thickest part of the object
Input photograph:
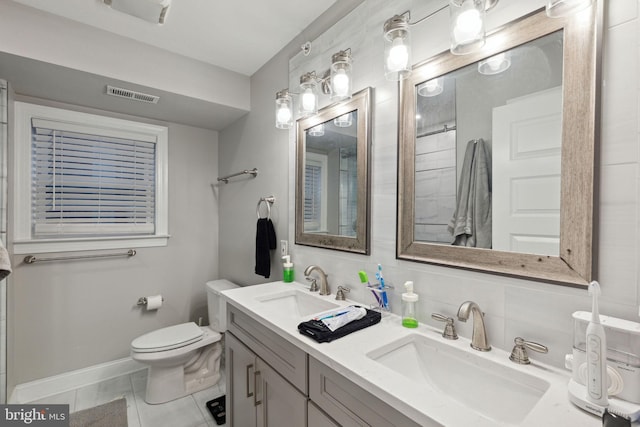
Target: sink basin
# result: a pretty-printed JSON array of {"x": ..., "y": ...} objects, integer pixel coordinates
[
  {"x": 496, "y": 391},
  {"x": 297, "y": 303}
]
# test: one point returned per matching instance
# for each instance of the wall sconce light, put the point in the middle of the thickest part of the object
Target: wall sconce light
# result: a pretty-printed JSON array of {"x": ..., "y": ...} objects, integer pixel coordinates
[
  {"x": 495, "y": 64},
  {"x": 284, "y": 110},
  {"x": 397, "y": 47},
  {"x": 467, "y": 34},
  {"x": 343, "y": 121},
  {"x": 467, "y": 26},
  {"x": 432, "y": 87},
  {"x": 317, "y": 130},
  {"x": 308, "y": 94},
  {"x": 336, "y": 82},
  {"x": 341, "y": 75},
  {"x": 561, "y": 8}
]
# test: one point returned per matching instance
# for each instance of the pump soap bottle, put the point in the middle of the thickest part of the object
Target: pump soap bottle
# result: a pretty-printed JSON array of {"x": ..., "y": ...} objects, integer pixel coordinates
[
  {"x": 287, "y": 269},
  {"x": 409, "y": 299}
]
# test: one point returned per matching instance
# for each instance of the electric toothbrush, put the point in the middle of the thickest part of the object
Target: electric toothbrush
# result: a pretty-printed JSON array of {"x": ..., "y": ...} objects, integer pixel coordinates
[{"x": 597, "y": 377}]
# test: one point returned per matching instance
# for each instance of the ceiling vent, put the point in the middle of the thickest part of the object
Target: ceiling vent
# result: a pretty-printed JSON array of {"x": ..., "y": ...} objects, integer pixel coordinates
[{"x": 132, "y": 94}]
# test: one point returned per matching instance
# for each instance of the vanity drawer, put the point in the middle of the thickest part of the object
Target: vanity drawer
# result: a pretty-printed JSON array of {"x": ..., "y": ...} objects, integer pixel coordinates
[
  {"x": 348, "y": 403},
  {"x": 288, "y": 360}
]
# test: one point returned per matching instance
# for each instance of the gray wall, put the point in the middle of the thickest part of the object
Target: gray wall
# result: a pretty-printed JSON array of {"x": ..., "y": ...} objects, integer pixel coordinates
[
  {"x": 64, "y": 316},
  {"x": 253, "y": 141}
]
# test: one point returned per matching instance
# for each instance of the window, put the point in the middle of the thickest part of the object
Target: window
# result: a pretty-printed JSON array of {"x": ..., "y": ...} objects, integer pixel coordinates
[
  {"x": 315, "y": 193},
  {"x": 92, "y": 182}
]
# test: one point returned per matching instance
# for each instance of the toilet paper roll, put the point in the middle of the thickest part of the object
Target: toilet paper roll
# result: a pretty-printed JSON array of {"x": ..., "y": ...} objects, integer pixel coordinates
[{"x": 154, "y": 302}]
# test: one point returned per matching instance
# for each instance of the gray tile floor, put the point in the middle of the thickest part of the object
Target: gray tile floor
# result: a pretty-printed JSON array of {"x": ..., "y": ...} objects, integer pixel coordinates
[{"x": 189, "y": 411}]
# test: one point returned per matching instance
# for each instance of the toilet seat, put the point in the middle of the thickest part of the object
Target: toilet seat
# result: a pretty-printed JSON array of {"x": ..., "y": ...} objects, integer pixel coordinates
[{"x": 168, "y": 338}]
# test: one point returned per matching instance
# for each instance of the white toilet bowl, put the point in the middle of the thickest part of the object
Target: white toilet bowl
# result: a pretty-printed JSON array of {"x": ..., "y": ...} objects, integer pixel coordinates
[{"x": 184, "y": 358}]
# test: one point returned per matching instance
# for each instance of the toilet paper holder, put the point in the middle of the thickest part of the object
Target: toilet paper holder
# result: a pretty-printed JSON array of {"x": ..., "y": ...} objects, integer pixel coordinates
[{"x": 143, "y": 301}]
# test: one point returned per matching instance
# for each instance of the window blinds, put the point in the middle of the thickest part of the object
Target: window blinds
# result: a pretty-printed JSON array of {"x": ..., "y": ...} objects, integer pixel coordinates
[
  {"x": 312, "y": 196},
  {"x": 91, "y": 181}
]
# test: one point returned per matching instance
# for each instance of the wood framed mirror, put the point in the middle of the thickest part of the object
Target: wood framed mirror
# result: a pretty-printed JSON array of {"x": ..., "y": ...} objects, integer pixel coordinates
[
  {"x": 333, "y": 176},
  {"x": 482, "y": 183}
]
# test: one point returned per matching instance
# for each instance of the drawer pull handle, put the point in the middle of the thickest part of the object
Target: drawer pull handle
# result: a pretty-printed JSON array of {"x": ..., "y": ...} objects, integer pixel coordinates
[
  {"x": 256, "y": 402},
  {"x": 249, "y": 367}
]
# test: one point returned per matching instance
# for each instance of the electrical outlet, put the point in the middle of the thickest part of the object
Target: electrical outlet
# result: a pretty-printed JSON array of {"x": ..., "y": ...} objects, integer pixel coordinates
[{"x": 284, "y": 248}]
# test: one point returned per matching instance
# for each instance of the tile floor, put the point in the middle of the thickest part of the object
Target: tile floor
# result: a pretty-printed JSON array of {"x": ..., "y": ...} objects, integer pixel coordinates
[{"x": 189, "y": 411}]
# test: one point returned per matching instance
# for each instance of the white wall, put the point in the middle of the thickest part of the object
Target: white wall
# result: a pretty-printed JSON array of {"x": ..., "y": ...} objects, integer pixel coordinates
[
  {"x": 536, "y": 311},
  {"x": 63, "y": 316}
]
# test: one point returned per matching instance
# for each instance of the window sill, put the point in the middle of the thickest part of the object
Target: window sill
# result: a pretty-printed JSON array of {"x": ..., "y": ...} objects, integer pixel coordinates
[{"x": 87, "y": 244}]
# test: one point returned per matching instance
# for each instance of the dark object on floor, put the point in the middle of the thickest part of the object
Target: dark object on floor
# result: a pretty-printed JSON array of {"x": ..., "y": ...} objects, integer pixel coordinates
[
  {"x": 112, "y": 414},
  {"x": 217, "y": 409},
  {"x": 318, "y": 331}
]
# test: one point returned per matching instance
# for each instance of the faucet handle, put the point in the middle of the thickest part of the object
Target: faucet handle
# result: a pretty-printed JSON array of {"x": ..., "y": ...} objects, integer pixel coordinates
[
  {"x": 340, "y": 292},
  {"x": 449, "y": 329},
  {"x": 314, "y": 285},
  {"x": 519, "y": 353}
]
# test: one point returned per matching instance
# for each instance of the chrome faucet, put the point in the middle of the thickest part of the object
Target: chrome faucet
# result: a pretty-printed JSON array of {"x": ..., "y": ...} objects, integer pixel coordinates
[
  {"x": 479, "y": 339},
  {"x": 324, "y": 285}
]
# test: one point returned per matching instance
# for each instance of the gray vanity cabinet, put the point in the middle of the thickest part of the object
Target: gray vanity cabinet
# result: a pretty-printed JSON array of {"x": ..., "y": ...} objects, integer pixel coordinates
[
  {"x": 348, "y": 403},
  {"x": 257, "y": 394},
  {"x": 271, "y": 382}
]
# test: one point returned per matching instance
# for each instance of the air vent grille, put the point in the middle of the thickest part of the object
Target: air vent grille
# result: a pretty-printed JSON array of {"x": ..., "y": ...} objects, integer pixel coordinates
[{"x": 132, "y": 94}]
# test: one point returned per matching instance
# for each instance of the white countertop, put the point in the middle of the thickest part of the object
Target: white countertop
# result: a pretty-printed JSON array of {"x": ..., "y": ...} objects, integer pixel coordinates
[{"x": 420, "y": 402}]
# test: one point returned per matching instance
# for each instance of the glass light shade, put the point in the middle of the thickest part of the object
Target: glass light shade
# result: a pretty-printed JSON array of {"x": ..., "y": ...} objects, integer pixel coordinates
[
  {"x": 562, "y": 8},
  {"x": 308, "y": 94},
  {"x": 496, "y": 64},
  {"x": 343, "y": 121},
  {"x": 284, "y": 110},
  {"x": 397, "y": 48},
  {"x": 467, "y": 26},
  {"x": 317, "y": 130},
  {"x": 341, "y": 75},
  {"x": 432, "y": 87}
]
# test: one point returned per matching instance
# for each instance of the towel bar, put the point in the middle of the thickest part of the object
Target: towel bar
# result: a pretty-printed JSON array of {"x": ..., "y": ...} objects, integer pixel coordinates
[{"x": 30, "y": 259}]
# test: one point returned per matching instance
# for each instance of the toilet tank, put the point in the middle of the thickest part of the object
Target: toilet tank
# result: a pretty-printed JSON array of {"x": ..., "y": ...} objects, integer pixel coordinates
[{"x": 216, "y": 303}]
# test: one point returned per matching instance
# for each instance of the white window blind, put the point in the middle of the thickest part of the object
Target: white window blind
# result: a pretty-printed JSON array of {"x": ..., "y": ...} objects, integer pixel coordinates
[
  {"x": 91, "y": 181},
  {"x": 312, "y": 196}
]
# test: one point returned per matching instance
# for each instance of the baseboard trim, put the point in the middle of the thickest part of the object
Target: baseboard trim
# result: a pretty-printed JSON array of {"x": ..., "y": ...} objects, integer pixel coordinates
[{"x": 40, "y": 389}]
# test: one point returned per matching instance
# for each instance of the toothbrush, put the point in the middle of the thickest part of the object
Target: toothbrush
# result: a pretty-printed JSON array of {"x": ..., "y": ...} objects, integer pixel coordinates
[
  {"x": 365, "y": 281},
  {"x": 383, "y": 293},
  {"x": 597, "y": 377}
]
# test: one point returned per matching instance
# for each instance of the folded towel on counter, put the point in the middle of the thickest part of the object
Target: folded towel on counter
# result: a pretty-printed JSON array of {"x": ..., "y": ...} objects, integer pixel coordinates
[
  {"x": 265, "y": 242},
  {"x": 5, "y": 262},
  {"x": 318, "y": 331}
]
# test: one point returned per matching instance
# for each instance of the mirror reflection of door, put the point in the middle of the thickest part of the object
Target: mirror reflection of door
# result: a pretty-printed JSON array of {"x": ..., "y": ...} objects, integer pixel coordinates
[
  {"x": 512, "y": 104},
  {"x": 331, "y": 177}
]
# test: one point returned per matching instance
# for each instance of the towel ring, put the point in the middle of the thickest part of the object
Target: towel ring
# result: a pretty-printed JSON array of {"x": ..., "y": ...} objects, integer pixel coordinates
[{"x": 268, "y": 201}]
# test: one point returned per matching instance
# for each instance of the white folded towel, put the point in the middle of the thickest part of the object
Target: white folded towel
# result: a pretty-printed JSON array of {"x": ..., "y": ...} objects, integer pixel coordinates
[{"x": 5, "y": 262}]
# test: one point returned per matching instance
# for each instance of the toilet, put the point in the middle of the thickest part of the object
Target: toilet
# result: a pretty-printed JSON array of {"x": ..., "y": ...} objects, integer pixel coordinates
[{"x": 185, "y": 358}]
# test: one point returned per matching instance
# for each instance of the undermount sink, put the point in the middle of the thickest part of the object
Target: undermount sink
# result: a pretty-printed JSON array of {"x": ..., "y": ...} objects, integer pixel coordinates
[
  {"x": 297, "y": 303},
  {"x": 491, "y": 389}
]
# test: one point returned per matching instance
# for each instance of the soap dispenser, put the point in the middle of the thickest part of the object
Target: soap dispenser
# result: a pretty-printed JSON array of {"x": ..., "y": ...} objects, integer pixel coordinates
[
  {"x": 287, "y": 269},
  {"x": 409, "y": 299}
]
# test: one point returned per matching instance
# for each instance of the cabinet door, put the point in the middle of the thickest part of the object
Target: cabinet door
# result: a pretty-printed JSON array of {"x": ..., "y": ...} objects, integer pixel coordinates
[
  {"x": 317, "y": 418},
  {"x": 241, "y": 383},
  {"x": 279, "y": 403}
]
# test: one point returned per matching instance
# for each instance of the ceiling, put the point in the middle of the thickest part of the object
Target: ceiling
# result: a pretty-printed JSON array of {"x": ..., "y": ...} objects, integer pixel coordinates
[
  {"x": 239, "y": 35},
  {"x": 236, "y": 35}
]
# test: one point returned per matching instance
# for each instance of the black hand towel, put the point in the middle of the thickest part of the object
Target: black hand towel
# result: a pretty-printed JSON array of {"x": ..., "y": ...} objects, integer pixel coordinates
[{"x": 265, "y": 241}]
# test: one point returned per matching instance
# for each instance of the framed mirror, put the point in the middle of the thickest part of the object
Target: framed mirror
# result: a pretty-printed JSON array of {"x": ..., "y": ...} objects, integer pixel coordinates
[
  {"x": 333, "y": 176},
  {"x": 497, "y": 152}
]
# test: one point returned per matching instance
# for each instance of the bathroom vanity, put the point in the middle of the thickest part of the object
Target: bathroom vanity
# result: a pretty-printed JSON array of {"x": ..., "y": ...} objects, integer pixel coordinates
[{"x": 384, "y": 375}]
